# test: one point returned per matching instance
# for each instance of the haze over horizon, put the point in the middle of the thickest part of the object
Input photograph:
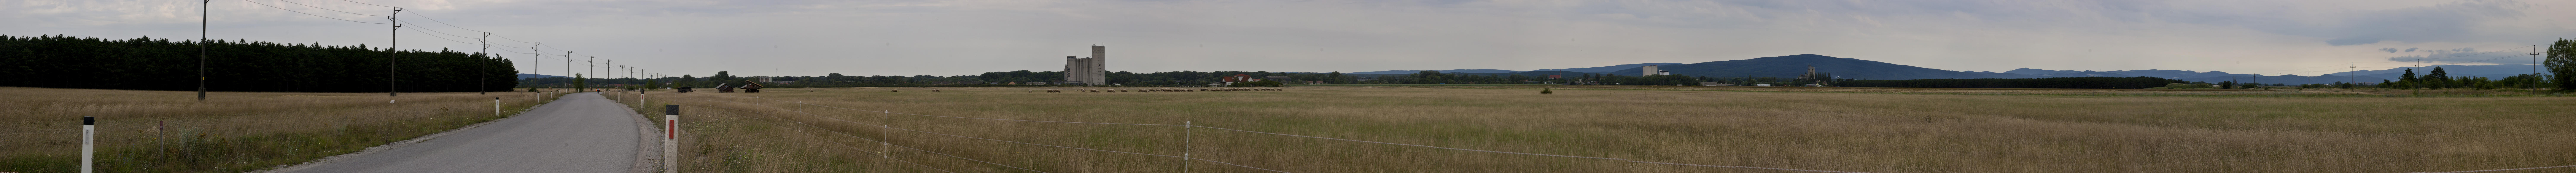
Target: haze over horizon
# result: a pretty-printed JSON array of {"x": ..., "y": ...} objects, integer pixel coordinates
[{"x": 810, "y": 38}]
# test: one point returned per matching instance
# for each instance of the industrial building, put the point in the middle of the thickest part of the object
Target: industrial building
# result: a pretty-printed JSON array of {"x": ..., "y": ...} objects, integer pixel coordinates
[
  {"x": 1649, "y": 70},
  {"x": 1087, "y": 71}
]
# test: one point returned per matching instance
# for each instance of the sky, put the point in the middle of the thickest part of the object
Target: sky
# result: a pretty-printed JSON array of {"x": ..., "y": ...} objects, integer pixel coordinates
[{"x": 968, "y": 37}]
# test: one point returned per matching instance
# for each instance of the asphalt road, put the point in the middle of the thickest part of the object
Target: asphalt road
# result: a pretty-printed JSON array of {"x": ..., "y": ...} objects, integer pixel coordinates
[{"x": 582, "y": 132}]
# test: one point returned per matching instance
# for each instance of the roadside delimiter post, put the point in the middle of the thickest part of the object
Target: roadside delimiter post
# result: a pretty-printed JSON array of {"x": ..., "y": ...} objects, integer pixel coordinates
[
  {"x": 89, "y": 134},
  {"x": 670, "y": 137}
]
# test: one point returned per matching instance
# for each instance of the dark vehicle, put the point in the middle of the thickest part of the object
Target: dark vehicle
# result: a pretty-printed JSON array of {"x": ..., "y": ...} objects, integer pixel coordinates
[{"x": 750, "y": 87}]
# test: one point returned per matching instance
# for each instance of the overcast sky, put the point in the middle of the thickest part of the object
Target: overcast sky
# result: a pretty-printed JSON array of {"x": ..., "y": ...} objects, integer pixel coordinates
[{"x": 811, "y": 38}]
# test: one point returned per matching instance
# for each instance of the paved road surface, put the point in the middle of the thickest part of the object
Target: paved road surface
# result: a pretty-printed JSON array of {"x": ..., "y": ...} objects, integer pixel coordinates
[{"x": 582, "y": 132}]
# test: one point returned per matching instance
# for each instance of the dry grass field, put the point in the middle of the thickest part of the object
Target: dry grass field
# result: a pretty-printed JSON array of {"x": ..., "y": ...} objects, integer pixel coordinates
[
  {"x": 169, "y": 131},
  {"x": 1904, "y": 132}
]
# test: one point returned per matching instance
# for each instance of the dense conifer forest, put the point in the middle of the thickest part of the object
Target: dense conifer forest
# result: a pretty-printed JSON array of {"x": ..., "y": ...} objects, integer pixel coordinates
[{"x": 241, "y": 65}]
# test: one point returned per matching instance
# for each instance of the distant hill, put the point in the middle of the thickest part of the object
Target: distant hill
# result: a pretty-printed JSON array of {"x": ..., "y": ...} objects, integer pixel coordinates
[
  {"x": 1848, "y": 68},
  {"x": 1525, "y": 73},
  {"x": 1606, "y": 69},
  {"x": 2489, "y": 71},
  {"x": 526, "y": 76},
  {"x": 1794, "y": 65},
  {"x": 1441, "y": 71}
]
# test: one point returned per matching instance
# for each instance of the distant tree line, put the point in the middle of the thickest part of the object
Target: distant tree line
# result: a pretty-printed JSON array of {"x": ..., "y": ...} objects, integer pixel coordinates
[
  {"x": 2438, "y": 79},
  {"x": 2060, "y": 82},
  {"x": 2562, "y": 61},
  {"x": 242, "y": 65}
]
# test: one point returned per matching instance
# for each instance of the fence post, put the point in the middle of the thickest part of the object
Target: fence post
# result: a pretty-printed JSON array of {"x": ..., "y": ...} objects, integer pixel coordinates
[
  {"x": 1185, "y": 146},
  {"x": 496, "y": 106},
  {"x": 885, "y": 121},
  {"x": 89, "y": 135},
  {"x": 670, "y": 137}
]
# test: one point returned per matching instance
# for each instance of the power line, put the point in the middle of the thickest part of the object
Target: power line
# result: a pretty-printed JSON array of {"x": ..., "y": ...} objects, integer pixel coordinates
[
  {"x": 2506, "y": 49},
  {"x": 311, "y": 14},
  {"x": 508, "y": 38},
  {"x": 293, "y": 2},
  {"x": 441, "y": 33},
  {"x": 417, "y": 14},
  {"x": 440, "y": 38},
  {"x": 2419, "y": 59},
  {"x": 365, "y": 3}
]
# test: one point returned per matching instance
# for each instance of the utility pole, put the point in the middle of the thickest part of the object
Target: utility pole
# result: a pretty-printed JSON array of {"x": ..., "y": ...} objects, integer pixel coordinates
[
  {"x": 2353, "y": 74},
  {"x": 2312, "y": 76},
  {"x": 568, "y": 67},
  {"x": 394, "y": 51},
  {"x": 533, "y": 55},
  {"x": 485, "y": 80},
  {"x": 202, "y": 12},
  {"x": 2535, "y": 68}
]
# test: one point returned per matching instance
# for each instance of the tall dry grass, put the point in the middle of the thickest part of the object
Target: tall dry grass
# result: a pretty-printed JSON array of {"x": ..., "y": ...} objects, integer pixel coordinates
[
  {"x": 170, "y": 131},
  {"x": 1866, "y": 132}
]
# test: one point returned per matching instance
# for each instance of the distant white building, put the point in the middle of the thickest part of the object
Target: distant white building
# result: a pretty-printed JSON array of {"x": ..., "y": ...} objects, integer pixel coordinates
[{"x": 1650, "y": 70}]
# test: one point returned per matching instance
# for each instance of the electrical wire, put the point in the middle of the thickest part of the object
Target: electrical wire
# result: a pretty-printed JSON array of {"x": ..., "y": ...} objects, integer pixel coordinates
[
  {"x": 365, "y": 3},
  {"x": 293, "y": 2},
  {"x": 442, "y": 38},
  {"x": 2506, "y": 49},
  {"x": 508, "y": 38},
  {"x": 442, "y": 22},
  {"x": 2489, "y": 59},
  {"x": 441, "y": 33},
  {"x": 310, "y": 14},
  {"x": 2419, "y": 59}
]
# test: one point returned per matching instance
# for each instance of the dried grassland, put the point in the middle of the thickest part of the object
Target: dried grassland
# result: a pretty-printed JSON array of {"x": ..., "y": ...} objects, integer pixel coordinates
[
  {"x": 169, "y": 131},
  {"x": 2274, "y": 92},
  {"x": 1865, "y": 132}
]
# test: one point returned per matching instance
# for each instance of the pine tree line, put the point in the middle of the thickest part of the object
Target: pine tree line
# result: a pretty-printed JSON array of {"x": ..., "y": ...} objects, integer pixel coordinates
[{"x": 54, "y": 61}]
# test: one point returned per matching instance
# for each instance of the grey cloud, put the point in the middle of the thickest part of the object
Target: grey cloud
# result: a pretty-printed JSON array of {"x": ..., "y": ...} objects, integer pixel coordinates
[
  {"x": 2410, "y": 49},
  {"x": 2436, "y": 22},
  {"x": 2445, "y": 22},
  {"x": 2460, "y": 55},
  {"x": 2390, "y": 50}
]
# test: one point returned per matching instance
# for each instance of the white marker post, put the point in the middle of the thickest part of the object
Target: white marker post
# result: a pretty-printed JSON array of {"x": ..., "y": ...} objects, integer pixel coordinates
[
  {"x": 670, "y": 137},
  {"x": 89, "y": 133},
  {"x": 496, "y": 106}
]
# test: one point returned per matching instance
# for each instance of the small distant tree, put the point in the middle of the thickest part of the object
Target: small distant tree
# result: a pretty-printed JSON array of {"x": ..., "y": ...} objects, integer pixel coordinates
[
  {"x": 2409, "y": 79},
  {"x": 1546, "y": 91},
  {"x": 579, "y": 83},
  {"x": 2437, "y": 79}
]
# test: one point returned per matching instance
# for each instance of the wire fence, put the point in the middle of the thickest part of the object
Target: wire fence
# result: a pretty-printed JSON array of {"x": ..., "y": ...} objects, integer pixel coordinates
[{"x": 1228, "y": 129}]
